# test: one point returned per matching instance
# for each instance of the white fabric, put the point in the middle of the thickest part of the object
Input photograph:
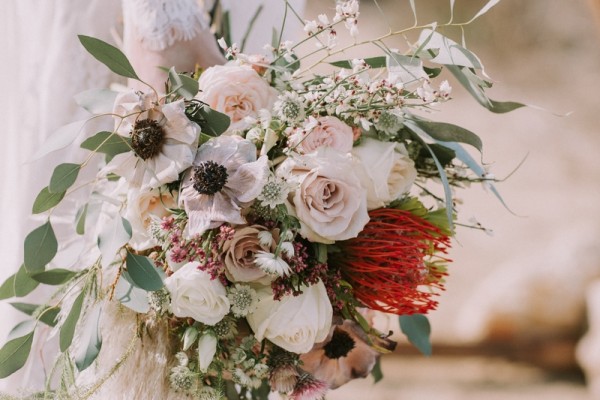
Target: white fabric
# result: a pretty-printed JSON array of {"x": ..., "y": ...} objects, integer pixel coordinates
[
  {"x": 160, "y": 23},
  {"x": 43, "y": 67}
]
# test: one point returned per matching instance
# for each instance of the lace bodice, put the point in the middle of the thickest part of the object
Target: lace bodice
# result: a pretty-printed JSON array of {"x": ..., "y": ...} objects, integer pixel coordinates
[{"x": 159, "y": 23}]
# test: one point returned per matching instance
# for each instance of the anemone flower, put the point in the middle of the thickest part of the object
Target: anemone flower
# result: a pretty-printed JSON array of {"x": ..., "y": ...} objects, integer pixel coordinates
[
  {"x": 345, "y": 355},
  {"x": 395, "y": 262},
  {"x": 163, "y": 140},
  {"x": 224, "y": 178}
]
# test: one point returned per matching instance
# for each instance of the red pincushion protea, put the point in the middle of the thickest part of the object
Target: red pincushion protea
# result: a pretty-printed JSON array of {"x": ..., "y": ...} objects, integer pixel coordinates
[{"x": 395, "y": 262}]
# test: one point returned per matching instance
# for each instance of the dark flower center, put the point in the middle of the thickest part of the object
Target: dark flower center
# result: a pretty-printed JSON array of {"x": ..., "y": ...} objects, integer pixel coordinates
[
  {"x": 209, "y": 177},
  {"x": 340, "y": 345},
  {"x": 147, "y": 138}
]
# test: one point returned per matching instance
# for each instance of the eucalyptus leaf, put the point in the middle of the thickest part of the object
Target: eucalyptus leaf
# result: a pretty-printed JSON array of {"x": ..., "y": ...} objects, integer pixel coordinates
[
  {"x": 46, "y": 313},
  {"x": 109, "y": 143},
  {"x": 67, "y": 330},
  {"x": 80, "y": 220},
  {"x": 91, "y": 338},
  {"x": 108, "y": 55},
  {"x": 449, "y": 133},
  {"x": 97, "y": 101},
  {"x": 405, "y": 68},
  {"x": 131, "y": 296},
  {"x": 46, "y": 200},
  {"x": 14, "y": 354},
  {"x": 143, "y": 273},
  {"x": 212, "y": 122},
  {"x": 63, "y": 177},
  {"x": 7, "y": 290},
  {"x": 61, "y": 138},
  {"x": 23, "y": 283},
  {"x": 54, "y": 277},
  {"x": 40, "y": 248},
  {"x": 417, "y": 329},
  {"x": 183, "y": 85},
  {"x": 483, "y": 10},
  {"x": 376, "y": 372},
  {"x": 373, "y": 62},
  {"x": 450, "y": 52},
  {"x": 21, "y": 329},
  {"x": 113, "y": 235}
]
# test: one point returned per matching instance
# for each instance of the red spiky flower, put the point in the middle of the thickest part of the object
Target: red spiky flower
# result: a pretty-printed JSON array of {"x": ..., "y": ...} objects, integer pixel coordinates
[{"x": 395, "y": 263}]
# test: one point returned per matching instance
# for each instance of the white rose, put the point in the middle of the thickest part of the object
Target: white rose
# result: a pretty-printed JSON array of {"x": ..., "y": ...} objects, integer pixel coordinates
[
  {"x": 328, "y": 199},
  {"x": 385, "y": 171},
  {"x": 293, "y": 323},
  {"x": 207, "y": 348},
  {"x": 325, "y": 132},
  {"x": 237, "y": 91},
  {"x": 195, "y": 295},
  {"x": 143, "y": 207}
]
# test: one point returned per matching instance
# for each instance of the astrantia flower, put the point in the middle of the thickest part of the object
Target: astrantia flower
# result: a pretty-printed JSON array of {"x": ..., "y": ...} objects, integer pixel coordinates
[
  {"x": 390, "y": 123},
  {"x": 243, "y": 300},
  {"x": 163, "y": 140},
  {"x": 344, "y": 356},
  {"x": 225, "y": 177},
  {"x": 272, "y": 264},
  {"x": 274, "y": 192},
  {"x": 390, "y": 265},
  {"x": 289, "y": 107}
]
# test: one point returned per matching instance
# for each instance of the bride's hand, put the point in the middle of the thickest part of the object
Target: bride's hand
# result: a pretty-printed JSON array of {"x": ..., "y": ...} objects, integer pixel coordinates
[{"x": 201, "y": 50}]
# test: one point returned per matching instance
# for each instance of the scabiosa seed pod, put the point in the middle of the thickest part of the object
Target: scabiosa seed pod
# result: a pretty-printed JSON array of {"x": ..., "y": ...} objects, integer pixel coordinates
[
  {"x": 309, "y": 388},
  {"x": 391, "y": 263},
  {"x": 283, "y": 367}
]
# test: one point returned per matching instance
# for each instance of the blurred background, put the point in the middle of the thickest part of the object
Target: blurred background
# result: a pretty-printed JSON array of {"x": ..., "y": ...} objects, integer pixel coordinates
[
  {"x": 519, "y": 301},
  {"x": 509, "y": 325}
]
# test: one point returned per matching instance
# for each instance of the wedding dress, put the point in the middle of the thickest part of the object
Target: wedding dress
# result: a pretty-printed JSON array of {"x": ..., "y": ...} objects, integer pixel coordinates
[{"x": 46, "y": 67}]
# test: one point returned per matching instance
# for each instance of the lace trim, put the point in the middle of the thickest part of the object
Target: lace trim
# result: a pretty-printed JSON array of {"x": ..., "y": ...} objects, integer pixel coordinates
[{"x": 160, "y": 23}]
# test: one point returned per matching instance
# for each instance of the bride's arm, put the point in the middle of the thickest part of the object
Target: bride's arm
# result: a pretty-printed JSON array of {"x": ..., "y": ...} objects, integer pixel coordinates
[{"x": 165, "y": 33}]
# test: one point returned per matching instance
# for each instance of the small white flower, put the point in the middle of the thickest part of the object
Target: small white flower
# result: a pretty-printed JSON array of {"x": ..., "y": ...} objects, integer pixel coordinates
[
  {"x": 274, "y": 192},
  {"x": 311, "y": 27},
  {"x": 243, "y": 300},
  {"x": 288, "y": 248},
  {"x": 265, "y": 238},
  {"x": 445, "y": 90},
  {"x": 272, "y": 264},
  {"x": 222, "y": 43},
  {"x": 189, "y": 337},
  {"x": 323, "y": 19}
]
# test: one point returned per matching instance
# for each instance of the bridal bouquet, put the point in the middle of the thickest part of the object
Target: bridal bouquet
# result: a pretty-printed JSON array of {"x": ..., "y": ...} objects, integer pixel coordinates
[{"x": 253, "y": 217}]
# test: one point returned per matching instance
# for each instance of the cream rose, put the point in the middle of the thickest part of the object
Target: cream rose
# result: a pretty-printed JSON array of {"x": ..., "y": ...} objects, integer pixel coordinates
[
  {"x": 293, "y": 323},
  {"x": 328, "y": 198},
  {"x": 385, "y": 171},
  {"x": 239, "y": 254},
  {"x": 324, "y": 132},
  {"x": 195, "y": 295},
  {"x": 236, "y": 90},
  {"x": 143, "y": 207}
]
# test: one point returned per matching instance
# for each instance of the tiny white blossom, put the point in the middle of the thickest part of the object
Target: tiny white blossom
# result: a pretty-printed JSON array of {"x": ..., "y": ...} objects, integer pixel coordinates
[
  {"x": 311, "y": 27},
  {"x": 323, "y": 19},
  {"x": 274, "y": 192},
  {"x": 222, "y": 43},
  {"x": 445, "y": 89},
  {"x": 265, "y": 238},
  {"x": 272, "y": 264},
  {"x": 288, "y": 248}
]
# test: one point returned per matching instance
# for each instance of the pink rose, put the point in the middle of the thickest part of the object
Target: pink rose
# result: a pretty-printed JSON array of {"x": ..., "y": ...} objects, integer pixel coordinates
[
  {"x": 324, "y": 132},
  {"x": 237, "y": 91}
]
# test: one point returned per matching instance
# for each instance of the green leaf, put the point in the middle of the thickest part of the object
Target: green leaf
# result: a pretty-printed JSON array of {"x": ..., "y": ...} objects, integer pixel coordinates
[
  {"x": 63, "y": 177},
  {"x": 432, "y": 72},
  {"x": 212, "y": 122},
  {"x": 131, "y": 296},
  {"x": 108, "y": 143},
  {"x": 91, "y": 335},
  {"x": 67, "y": 330},
  {"x": 376, "y": 372},
  {"x": 114, "y": 235},
  {"x": 40, "y": 248},
  {"x": 485, "y": 9},
  {"x": 450, "y": 133},
  {"x": 80, "y": 220},
  {"x": 61, "y": 138},
  {"x": 23, "y": 284},
  {"x": 108, "y": 55},
  {"x": 14, "y": 354},
  {"x": 143, "y": 273},
  {"x": 183, "y": 85},
  {"x": 54, "y": 277},
  {"x": 405, "y": 68},
  {"x": 501, "y": 107},
  {"x": 7, "y": 290},
  {"x": 97, "y": 101},
  {"x": 45, "y": 200},
  {"x": 450, "y": 52},
  {"x": 417, "y": 329},
  {"x": 46, "y": 313}
]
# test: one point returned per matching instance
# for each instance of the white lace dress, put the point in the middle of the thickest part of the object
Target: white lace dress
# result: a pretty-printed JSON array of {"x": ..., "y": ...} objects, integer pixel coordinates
[{"x": 44, "y": 67}]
